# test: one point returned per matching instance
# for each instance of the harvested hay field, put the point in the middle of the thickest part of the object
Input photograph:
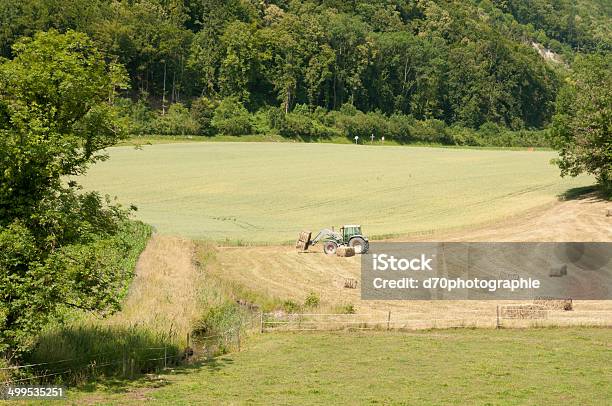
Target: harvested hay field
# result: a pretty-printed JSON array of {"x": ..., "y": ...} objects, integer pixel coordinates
[
  {"x": 267, "y": 192},
  {"x": 283, "y": 272}
]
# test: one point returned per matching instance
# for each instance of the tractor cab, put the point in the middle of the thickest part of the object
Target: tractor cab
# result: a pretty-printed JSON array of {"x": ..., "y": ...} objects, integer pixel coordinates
[{"x": 349, "y": 231}]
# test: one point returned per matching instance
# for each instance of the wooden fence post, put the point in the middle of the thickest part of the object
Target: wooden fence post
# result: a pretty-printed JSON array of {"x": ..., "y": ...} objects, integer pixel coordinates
[
  {"x": 497, "y": 322},
  {"x": 261, "y": 326},
  {"x": 165, "y": 357},
  {"x": 389, "y": 320},
  {"x": 124, "y": 366}
]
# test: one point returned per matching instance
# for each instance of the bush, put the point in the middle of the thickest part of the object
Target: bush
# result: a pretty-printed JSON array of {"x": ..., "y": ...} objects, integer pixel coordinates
[
  {"x": 347, "y": 308},
  {"x": 400, "y": 128},
  {"x": 364, "y": 125},
  {"x": 231, "y": 117},
  {"x": 312, "y": 300},
  {"x": 464, "y": 136},
  {"x": 176, "y": 121},
  {"x": 202, "y": 112},
  {"x": 291, "y": 306},
  {"x": 262, "y": 121},
  {"x": 135, "y": 116},
  {"x": 301, "y": 124},
  {"x": 295, "y": 125},
  {"x": 431, "y": 131},
  {"x": 90, "y": 273},
  {"x": 220, "y": 319}
]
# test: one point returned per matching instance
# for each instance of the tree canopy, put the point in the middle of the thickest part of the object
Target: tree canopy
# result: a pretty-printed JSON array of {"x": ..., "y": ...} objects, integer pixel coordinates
[
  {"x": 59, "y": 247},
  {"x": 582, "y": 127},
  {"x": 461, "y": 62}
]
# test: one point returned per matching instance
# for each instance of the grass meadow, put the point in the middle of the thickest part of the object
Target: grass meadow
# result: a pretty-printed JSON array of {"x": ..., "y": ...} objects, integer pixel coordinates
[
  {"x": 267, "y": 192},
  {"x": 463, "y": 366}
]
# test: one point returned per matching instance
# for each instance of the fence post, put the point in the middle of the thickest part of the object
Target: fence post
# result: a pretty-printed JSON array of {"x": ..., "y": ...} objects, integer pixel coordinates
[
  {"x": 165, "y": 357},
  {"x": 497, "y": 321},
  {"x": 261, "y": 326},
  {"x": 238, "y": 333},
  {"x": 388, "y": 320},
  {"x": 124, "y": 366}
]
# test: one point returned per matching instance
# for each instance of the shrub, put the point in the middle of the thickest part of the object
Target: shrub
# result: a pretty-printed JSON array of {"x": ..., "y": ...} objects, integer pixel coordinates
[
  {"x": 312, "y": 300},
  {"x": 301, "y": 124},
  {"x": 291, "y": 306},
  {"x": 231, "y": 117},
  {"x": 431, "y": 131},
  {"x": 202, "y": 112},
  {"x": 220, "y": 319},
  {"x": 464, "y": 136},
  {"x": 296, "y": 125},
  {"x": 400, "y": 128},
  {"x": 262, "y": 121},
  {"x": 176, "y": 121},
  {"x": 347, "y": 308},
  {"x": 135, "y": 116},
  {"x": 364, "y": 125}
]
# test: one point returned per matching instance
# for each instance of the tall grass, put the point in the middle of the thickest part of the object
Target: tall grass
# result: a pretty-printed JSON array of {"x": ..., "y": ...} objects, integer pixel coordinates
[
  {"x": 78, "y": 353},
  {"x": 175, "y": 301}
]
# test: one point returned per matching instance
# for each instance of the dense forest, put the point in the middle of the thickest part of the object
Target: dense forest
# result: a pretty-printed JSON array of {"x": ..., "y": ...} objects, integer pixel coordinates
[{"x": 407, "y": 69}]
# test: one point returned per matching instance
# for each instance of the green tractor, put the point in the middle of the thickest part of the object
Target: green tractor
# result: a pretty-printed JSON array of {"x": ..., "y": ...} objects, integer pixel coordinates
[{"x": 349, "y": 235}]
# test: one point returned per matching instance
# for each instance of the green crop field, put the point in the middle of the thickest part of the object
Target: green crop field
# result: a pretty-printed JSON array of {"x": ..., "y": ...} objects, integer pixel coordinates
[
  {"x": 510, "y": 367},
  {"x": 268, "y": 192}
]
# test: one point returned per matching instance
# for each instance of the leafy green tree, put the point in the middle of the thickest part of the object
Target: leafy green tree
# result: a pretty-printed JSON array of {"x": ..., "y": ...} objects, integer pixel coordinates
[
  {"x": 53, "y": 96},
  {"x": 55, "y": 121},
  {"x": 240, "y": 63},
  {"x": 202, "y": 111},
  {"x": 231, "y": 117},
  {"x": 582, "y": 125}
]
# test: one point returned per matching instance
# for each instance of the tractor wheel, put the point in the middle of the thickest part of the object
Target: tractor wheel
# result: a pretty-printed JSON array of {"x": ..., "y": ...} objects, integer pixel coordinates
[
  {"x": 330, "y": 247},
  {"x": 359, "y": 244}
]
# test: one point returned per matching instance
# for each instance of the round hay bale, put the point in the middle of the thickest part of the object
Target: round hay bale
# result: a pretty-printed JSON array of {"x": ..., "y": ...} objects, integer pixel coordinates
[{"x": 344, "y": 251}]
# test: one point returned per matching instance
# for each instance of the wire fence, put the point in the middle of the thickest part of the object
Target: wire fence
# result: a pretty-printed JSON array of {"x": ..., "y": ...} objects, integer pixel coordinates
[
  {"x": 129, "y": 363},
  {"x": 501, "y": 317},
  {"x": 123, "y": 362}
]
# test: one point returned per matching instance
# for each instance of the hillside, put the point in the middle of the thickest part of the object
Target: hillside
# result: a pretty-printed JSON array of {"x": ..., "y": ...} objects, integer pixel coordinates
[{"x": 462, "y": 63}]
